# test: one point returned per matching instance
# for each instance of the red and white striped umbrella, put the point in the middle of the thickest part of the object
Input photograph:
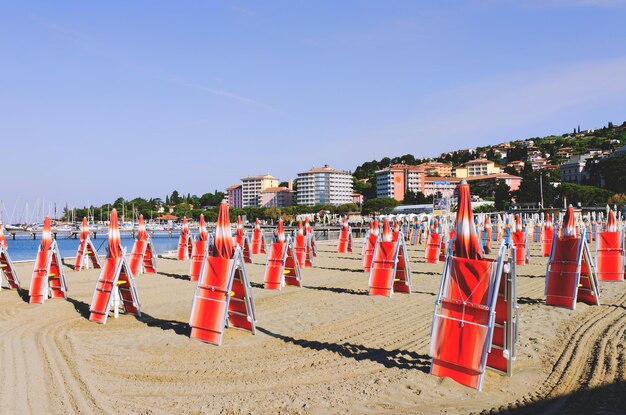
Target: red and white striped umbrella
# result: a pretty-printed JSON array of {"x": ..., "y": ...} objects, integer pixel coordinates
[
  {"x": 223, "y": 236},
  {"x": 611, "y": 224},
  {"x": 257, "y": 224},
  {"x": 569, "y": 224},
  {"x": 185, "y": 230},
  {"x": 518, "y": 223},
  {"x": 3, "y": 239},
  {"x": 46, "y": 236},
  {"x": 387, "y": 235},
  {"x": 300, "y": 228},
  {"x": 280, "y": 232},
  {"x": 204, "y": 234},
  {"x": 307, "y": 226},
  {"x": 548, "y": 223},
  {"x": 84, "y": 229},
  {"x": 466, "y": 244},
  {"x": 239, "y": 229},
  {"x": 345, "y": 223},
  {"x": 376, "y": 227},
  {"x": 142, "y": 234},
  {"x": 115, "y": 240}
]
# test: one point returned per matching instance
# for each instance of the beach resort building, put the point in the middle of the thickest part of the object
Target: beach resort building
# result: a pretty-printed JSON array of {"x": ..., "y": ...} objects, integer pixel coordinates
[
  {"x": 324, "y": 185},
  {"x": 233, "y": 196},
  {"x": 252, "y": 186},
  {"x": 443, "y": 185},
  {"x": 478, "y": 167},
  {"x": 276, "y": 196},
  {"x": 398, "y": 179}
]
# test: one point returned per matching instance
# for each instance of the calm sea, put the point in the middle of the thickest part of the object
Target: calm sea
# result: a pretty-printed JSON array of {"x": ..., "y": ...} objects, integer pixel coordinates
[{"x": 23, "y": 248}]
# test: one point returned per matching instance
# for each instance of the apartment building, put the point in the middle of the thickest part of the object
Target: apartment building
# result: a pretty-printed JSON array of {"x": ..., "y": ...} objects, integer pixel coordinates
[
  {"x": 233, "y": 196},
  {"x": 478, "y": 167},
  {"x": 252, "y": 186},
  {"x": 398, "y": 179},
  {"x": 324, "y": 185},
  {"x": 276, "y": 196}
]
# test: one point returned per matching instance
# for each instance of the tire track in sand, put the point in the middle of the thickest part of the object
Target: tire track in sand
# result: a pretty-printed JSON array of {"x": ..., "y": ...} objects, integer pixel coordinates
[{"x": 591, "y": 346}]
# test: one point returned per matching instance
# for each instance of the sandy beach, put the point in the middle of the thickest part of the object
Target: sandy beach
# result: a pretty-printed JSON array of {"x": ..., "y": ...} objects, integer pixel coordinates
[{"x": 322, "y": 349}]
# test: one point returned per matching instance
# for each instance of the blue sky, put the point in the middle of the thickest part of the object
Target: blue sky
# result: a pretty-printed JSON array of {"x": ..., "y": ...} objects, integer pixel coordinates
[{"x": 106, "y": 99}]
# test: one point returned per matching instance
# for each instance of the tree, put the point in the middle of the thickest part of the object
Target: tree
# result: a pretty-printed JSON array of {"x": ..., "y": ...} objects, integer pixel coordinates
[
  {"x": 383, "y": 205},
  {"x": 530, "y": 189},
  {"x": 502, "y": 196},
  {"x": 346, "y": 208},
  {"x": 367, "y": 189},
  {"x": 415, "y": 198},
  {"x": 618, "y": 199},
  {"x": 175, "y": 198},
  {"x": 182, "y": 209},
  {"x": 583, "y": 195}
]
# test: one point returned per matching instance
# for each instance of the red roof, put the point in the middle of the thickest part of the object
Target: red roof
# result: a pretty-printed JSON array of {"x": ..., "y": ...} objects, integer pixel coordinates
[{"x": 167, "y": 217}]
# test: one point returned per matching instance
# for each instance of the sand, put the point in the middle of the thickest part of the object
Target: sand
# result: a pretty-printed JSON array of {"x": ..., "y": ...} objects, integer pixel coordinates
[{"x": 323, "y": 349}]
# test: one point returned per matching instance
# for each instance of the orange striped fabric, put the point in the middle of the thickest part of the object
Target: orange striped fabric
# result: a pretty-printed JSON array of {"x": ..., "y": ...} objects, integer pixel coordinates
[
  {"x": 223, "y": 237},
  {"x": 142, "y": 234},
  {"x": 84, "y": 229},
  {"x": 46, "y": 237},
  {"x": 569, "y": 224},
  {"x": 204, "y": 235},
  {"x": 115, "y": 241},
  {"x": 466, "y": 244}
]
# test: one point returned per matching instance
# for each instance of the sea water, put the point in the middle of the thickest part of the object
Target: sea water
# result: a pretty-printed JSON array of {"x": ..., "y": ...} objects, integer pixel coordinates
[{"x": 24, "y": 249}]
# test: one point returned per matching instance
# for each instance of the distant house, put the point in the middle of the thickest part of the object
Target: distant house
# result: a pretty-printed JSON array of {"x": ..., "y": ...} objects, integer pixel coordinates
[
  {"x": 517, "y": 165},
  {"x": 573, "y": 170},
  {"x": 357, "y": 198},
  {"x": 478, "y": 167},
  {"x": 565, "y": 152}
]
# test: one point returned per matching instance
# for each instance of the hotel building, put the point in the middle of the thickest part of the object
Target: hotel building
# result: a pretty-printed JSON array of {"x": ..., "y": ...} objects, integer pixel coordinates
[
  {"x": 252, "y": 186},
  {"x": 324, "y": 185}
]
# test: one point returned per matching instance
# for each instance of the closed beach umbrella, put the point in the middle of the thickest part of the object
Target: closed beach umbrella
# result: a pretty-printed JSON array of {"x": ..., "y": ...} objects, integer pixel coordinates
[
  {"x": 376, "y": 227},
  {"x": 280, "y": 232},
  {"x": 466, "y": 244},
  {"x": 142, "y": 235},
  {"x": 223, "y": 236},
  {"x": 115, "y": 242},
  {"x": 548, "y": 221},
  {"x": 300, "y": 228},
  {"x": 46, "y": 236},
  {"x": 84, "y": 229},
  {"x": 204, "y": 235},
  {"x": 611, "y": 224},
  {"x": 185, "y": 230},
  {"x": 3, "y": 240},
  {"x": 569, "y": 224},
  {"x": 239, "y": 229},
  {"x": 387, "y": 235}
]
